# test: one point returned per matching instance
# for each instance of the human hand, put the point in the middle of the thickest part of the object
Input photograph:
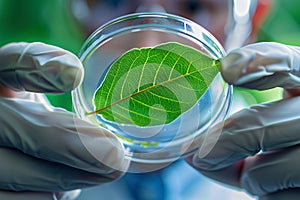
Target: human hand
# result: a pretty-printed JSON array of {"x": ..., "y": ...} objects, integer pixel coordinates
[
  {"x": 258, "y": 148},
  {"x": 45, "y": 150}
]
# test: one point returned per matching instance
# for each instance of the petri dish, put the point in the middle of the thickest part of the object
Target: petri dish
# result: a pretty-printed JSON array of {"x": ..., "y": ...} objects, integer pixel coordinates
[{"x": 153, "y": 144}]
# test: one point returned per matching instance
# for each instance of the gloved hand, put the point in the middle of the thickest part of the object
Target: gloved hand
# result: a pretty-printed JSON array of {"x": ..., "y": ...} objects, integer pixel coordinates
[
  {"x": 46, "y": 150},
  {"x": 258, "y": 148}
]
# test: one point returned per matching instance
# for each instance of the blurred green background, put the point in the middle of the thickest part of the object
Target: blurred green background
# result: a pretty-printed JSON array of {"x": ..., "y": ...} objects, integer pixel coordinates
[
  {"x": 50, "y": 21},
  {"x": 283, "y": 23}
]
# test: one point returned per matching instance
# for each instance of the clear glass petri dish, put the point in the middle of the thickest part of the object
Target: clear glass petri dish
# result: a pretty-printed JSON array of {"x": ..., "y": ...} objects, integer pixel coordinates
[{"x": 158, "y": 143}]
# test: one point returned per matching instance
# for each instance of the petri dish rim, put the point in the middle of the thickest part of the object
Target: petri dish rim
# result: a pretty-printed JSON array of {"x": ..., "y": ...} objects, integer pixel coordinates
[{"x": 186, "y": 28}]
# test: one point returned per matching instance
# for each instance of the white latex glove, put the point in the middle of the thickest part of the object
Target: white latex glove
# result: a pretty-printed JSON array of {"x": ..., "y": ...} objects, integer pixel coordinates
[
  {"x": 45, "y": 150},
  {"x": 258, "y": 148}
]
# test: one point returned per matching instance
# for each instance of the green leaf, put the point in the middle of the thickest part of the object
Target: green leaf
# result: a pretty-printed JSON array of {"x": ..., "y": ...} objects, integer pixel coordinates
[{"x": 154, "y": 86}]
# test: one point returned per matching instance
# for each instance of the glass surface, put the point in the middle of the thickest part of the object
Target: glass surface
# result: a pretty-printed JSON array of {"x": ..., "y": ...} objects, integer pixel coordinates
[{"x": 160, "y": 143}]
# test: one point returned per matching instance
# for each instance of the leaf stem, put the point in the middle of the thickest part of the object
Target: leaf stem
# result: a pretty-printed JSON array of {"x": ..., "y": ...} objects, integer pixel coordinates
[{"x": 217, "y": 63}]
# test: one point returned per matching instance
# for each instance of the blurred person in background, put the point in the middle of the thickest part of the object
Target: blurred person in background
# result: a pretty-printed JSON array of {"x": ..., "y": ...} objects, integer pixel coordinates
[{"x": 233, "y": 23}]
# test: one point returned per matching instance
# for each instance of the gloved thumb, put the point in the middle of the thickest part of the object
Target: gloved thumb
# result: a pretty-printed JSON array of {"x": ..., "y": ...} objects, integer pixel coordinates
[
  {"x": 39, "y": 67},
  {"x": 263, "y": 66}
]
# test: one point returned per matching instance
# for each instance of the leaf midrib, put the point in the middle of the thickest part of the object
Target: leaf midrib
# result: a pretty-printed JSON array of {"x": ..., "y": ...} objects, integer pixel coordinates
[{"x": 145, "y": 90}]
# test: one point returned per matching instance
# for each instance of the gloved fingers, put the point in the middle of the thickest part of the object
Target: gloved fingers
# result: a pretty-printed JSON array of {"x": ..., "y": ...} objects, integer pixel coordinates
[
  {"x": 22, "y": 172},
  {"x": 263, "y": 66},
  {"x": 258, "y": 128},
  {"x": 229, "y": 175},
  {"x": 31, "y": 195},
  {"x": 39, "y": 67},
  {"x": 11, "y": 195},
  {"x": 225, "y": 149},
  {"x": 32, "y": 96},
  {"x": 288, "y": 194},
  {"x": 67, "y": 195},
  {"x": 57, "y": 135},
  {"x": 272, "y": 171}
]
